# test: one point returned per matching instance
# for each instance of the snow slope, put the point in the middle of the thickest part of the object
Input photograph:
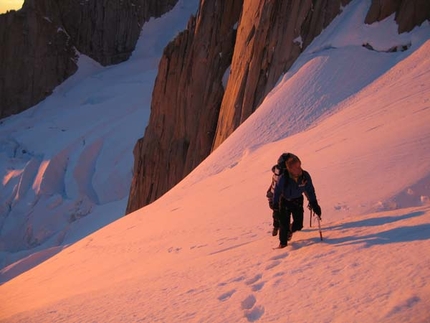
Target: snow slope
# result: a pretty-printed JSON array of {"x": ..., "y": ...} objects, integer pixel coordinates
[
  {"x": 69, "y": 159},
  {"x": 358, "y": 119}
]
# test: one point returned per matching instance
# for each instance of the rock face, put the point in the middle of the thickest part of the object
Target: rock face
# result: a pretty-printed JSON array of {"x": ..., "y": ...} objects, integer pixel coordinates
[
  {"x": 190, "y": 108},
  {"x": 267, "y": 45},
  {"x": 107, "y": 30},
  {"x": 409, "y": 13},
  {"x": 185, "y": 102},
  {"x": 38, "y": 43},
  {"x": 192, "y": 114},
  {"x": 35, "y": 56}
]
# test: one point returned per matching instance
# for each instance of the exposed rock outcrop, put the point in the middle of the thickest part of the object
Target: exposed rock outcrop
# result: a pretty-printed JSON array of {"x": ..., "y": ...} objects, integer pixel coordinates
[
  {"x": 409, "y": 13},
  {"x": 188, "y": 95},
  {"x": 36, "y": 55},
  {"x": 107, "y": 30},
  {"x": 267, "y": 45},
  {"x": 187, "y": 108},
  {"x": 185, "y": 102},
  {"x": 38, "y": 43}
]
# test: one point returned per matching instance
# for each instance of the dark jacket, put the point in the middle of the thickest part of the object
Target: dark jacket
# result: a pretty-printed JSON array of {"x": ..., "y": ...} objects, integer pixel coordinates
[{"x": 292, "y": 190}]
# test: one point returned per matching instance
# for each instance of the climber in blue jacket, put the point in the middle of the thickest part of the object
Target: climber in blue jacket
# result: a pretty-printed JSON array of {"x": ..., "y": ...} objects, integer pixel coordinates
[{"x": 288, "y": 198}]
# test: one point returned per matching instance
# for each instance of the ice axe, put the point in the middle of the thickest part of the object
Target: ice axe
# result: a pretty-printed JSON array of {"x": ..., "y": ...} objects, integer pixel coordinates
[{"x": 312, "y": 214}]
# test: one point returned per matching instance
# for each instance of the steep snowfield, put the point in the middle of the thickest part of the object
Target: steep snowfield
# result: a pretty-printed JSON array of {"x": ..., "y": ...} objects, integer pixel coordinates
[{"x": 359, "y": 120}]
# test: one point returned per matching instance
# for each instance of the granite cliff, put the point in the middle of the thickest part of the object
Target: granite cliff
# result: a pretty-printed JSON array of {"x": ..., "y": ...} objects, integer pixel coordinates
[
  {"x": 252, "y": 42},
  {"x": 39, "y": 44}
]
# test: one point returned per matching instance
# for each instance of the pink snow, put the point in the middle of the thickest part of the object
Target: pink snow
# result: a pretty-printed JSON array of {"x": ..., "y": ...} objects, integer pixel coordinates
[{"x": 358, "y": 119}]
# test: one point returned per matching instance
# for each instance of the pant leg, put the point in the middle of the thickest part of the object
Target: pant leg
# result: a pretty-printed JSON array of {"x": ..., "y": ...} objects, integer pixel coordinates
[
  {"x": 275, "y": 216},
  {"x": 296, "y": 208},
  {"x": 284, "y": 225},
  {"x": 298, "y": 213}
]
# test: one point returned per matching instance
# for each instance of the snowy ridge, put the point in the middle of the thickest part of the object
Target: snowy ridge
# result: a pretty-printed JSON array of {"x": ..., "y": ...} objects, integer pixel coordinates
[{"x": 203, "y": 252}]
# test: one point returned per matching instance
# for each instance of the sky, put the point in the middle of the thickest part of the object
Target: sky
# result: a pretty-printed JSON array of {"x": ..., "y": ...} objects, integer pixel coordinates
[
  {"x": 6, "y": 5},
  {"x": 357, "y": 118}
]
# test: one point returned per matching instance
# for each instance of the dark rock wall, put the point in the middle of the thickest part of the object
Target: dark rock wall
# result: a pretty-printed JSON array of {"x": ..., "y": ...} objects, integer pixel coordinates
[
  {"x": 266, "y": 47},
  {"x": 107, "y": 30},
  {"x": 36, "y": 55},
  {"x": 409, "y": 13},
  {"x": 37, "y": 43},
  {"x": 186, "y": 109},
  {"x": 185, "y": 102},
  {"x": 191, "y": 113}
]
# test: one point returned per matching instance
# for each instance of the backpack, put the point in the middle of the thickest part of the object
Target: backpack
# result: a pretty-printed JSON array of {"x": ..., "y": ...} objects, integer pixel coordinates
[{"x": 277, "y": 170}]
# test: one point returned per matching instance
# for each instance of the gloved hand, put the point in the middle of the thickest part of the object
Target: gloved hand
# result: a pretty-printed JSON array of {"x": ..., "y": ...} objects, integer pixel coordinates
[{"x": 316, "y": 208}]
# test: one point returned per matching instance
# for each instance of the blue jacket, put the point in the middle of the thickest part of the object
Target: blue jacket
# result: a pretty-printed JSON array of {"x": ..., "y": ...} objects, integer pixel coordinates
[{"x": 293, "y": 189}]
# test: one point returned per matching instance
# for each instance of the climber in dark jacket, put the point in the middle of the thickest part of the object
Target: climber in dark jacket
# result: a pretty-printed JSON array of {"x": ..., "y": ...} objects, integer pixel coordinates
[{"x": 288, "y": 198}]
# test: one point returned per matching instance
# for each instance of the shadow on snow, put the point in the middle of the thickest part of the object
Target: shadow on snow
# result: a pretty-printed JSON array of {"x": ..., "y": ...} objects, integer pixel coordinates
[{"x": 399, "y": 234}]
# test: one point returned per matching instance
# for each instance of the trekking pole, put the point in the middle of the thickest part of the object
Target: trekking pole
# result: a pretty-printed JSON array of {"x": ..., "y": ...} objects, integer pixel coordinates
[{"x": 310, "y": 218}]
